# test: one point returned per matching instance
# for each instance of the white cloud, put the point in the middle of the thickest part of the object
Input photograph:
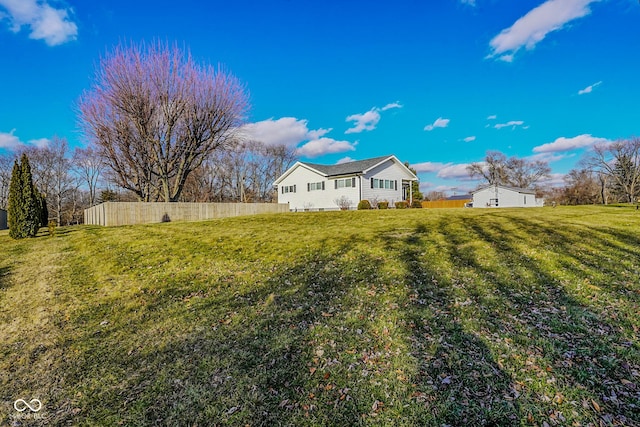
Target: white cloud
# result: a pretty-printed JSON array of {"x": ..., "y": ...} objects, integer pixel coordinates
[
  {"x": 533, "y": 27},
  {"x": 287, "y": 131},
  {"x": 549, "y": 157},
  {"x": 45, "y": 22},
  {"x": 443, "y": 170},
  {"x": 345, "y": 160},
  {"x": 589, "y": 89},
  {"x": 555, "y": 180},
  {"x": 365, "y": 121},
  {"x": 454, "y": 171},
  {"x": 507, "y": 58},
  {"x": 469, "y": 2},
  {"x": 9, "y": 141},
  {"x": 469, "y": 139},
  {"x": 568, "y": 144},
  {"x": 319, "y": 147},
  {"x": 513, "y": 124},
  {"x": 40, "y": 143},
  {"x": 439, "y": 123},
  {"x": 292, "y": 132},
  {"x": 492, "y": 117},
  {"x": 390, "y": 106},
  {"x": 368, "y": 120},
  {"x": 428, "y": 167}
]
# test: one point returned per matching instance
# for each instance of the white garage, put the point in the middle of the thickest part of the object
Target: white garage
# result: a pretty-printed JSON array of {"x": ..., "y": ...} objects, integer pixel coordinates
[{"x": 500, "y": 196}]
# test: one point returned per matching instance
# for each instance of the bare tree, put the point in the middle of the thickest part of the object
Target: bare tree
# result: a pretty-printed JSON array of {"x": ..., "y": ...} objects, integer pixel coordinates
[
  {"x": 265, "y": 164},
  {"x": 51, "y": 168},
  {"x": 582, "y": 187},
  {"x": 497, "y": 169},
  {"x": 6, "y": 166},
  {"x": 88, "y": 164},
  {"x": 619, "y": 162},
  {"x": 155, "y": 115},
  {"x": 523, "y": 173},
  {"x": 435, "y": 195},
  {"x": 491, "y": 170},
  {"x": 604, "y": 191},
  {"x": 244, "y": 173}
]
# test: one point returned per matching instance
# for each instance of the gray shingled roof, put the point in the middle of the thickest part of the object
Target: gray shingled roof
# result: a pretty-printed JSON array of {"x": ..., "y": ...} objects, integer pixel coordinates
[
  {"x": 516, "y": 189},
  {"x": 346, "y": 168},
  {"x": 461, "y": 197}
]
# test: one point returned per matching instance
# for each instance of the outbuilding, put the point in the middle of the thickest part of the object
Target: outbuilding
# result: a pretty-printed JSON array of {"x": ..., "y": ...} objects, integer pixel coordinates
[{"x": 500, "y": 196}]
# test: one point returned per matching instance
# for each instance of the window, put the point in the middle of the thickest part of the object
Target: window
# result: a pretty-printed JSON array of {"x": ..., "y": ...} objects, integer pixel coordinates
[
  {"x": 347, "y": 182},
  {"x": 288, "y": 189},
  {"x": 387, "y": 184},
  {"x": 312, "y": 186},
  {"x": 493, "y": 202}
]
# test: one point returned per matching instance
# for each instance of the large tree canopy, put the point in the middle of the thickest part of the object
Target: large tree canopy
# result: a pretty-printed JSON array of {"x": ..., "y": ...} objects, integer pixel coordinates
[
  {"x": 512, "y": 171},
  {"x": 155, "y": 115}
]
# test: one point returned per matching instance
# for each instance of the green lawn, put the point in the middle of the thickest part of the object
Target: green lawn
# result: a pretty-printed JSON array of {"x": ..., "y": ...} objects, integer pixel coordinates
[{"x": 407, "y": 317}]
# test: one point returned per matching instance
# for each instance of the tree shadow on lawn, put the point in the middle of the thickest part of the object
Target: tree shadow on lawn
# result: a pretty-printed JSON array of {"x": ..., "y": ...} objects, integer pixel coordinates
[
  {"x": 458, "y": 381},
  {"x": 290, "y": 350},
  {"x": 571, "y": 345},
  {"x": 4, "y": 277}
]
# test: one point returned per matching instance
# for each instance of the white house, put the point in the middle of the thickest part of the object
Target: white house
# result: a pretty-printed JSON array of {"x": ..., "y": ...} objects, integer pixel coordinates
[
  {"x": 500, "y": 196},
  {"x": 318, "y": 187}
]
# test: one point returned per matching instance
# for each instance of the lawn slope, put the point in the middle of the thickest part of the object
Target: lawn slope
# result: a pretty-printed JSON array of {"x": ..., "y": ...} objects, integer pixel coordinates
[{"x": 407, "y": 317}]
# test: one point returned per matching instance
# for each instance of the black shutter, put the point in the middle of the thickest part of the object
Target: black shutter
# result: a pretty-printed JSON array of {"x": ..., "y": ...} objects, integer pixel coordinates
[
  {"x": 396, "y": 185},
  {"x": 335, "y": 182},
  {"x": 353, "y": 181},
  {"x": 371, "y": 182},
  {"x": 323, "y": 185},
  {"x": 308, "y": 186}
]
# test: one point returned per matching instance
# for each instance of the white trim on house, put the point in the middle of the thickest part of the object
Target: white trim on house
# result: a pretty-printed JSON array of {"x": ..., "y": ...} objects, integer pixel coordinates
[
  {"x": 501, "y": 196},
  {"x": 308, "y": 186}
]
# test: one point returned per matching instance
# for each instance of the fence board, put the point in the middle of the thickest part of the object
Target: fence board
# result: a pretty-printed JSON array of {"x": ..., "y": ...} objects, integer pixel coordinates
[
  {"x": 439, "y": 204},
  {"x": 129, "y": 213}
]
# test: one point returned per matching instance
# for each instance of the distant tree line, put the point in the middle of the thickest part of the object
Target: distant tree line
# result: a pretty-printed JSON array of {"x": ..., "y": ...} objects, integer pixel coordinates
[
  {"x": 608, "y": 173},
  {"x": 73, "y": 180}
]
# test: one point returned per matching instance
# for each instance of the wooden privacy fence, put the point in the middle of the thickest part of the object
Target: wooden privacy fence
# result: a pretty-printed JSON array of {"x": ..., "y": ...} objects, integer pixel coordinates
[
  {"x": 445, "y": 204},
  {"x": 129, "y": 213}
]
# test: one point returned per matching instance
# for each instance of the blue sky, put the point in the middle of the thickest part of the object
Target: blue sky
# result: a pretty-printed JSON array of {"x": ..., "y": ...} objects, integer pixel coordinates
[{"x": 437, "y": 83}]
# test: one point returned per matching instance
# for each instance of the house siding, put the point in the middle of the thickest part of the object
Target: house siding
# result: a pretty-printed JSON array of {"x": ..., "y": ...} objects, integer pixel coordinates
[
  {"x": 315, "y": 199},
  {"x": 387, "y": 170}
]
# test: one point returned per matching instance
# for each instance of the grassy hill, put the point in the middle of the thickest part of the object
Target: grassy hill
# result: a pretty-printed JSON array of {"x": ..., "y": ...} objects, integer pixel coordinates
[{"x": 408, "y": 317}]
